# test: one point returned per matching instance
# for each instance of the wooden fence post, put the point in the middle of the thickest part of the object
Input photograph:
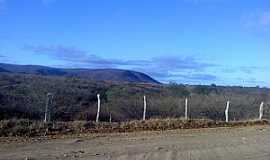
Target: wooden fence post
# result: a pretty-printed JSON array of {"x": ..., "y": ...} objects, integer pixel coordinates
[
  {"x": 261, "y": 111},
  {"x": 227, "y": 111},
  {"x": 47, "y": 117},
  {"x": 186, "y": 109},
  {"x": 144, "y": 107},
  {"x": 98, "y": 109}
]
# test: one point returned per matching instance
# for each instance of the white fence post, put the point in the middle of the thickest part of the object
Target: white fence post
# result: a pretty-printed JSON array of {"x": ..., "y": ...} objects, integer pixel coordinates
[
  {"x": 110, "y": 118},
  {"x": 227, "y": 111},
  {"x": 261, "y": 111},
  {"x": 46, "y": 111},
  {"x": 144, "y": 107},
  {"x": 186, "y": 109},
  {"x": 98, "y": 109}
]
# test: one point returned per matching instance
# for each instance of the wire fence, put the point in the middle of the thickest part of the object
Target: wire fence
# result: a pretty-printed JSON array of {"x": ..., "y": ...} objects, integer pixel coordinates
[{"x": 213, "y": 107}]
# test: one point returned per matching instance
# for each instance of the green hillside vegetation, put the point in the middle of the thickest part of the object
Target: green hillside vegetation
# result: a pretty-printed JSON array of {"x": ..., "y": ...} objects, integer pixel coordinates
[{"x": 24, "y": 96}]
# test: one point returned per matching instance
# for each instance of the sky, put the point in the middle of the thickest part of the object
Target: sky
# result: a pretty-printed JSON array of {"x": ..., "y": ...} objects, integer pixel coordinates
[{"x": 226, "y": 42}]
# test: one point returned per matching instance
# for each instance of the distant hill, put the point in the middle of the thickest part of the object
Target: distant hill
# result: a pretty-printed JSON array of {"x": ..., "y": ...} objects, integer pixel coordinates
[
  {"x": 3, "y": 70},
  {"x": 117, "y": 75}
]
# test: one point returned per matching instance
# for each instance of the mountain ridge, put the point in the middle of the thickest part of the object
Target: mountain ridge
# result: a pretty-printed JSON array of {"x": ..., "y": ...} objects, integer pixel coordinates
[{"x": 106, "y": 74}]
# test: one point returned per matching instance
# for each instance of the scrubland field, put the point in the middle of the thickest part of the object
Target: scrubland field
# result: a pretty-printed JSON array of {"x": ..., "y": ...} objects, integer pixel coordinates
[
  {"x": 74, "y": 134},
  {"x": 23, "y": 96}
]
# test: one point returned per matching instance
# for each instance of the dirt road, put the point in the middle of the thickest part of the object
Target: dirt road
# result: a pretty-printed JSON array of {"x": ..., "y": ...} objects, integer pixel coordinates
[{"x": 198, "y": 144}]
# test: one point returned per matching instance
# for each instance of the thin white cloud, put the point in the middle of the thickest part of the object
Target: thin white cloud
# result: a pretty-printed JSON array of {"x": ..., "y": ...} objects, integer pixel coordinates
[
  {"x": 165, "y": 69},
  {"x": 158, "y": 67}
]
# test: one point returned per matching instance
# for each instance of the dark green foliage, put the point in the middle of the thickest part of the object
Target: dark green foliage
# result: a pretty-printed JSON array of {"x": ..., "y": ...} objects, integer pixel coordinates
[
  {"x": 178, "y": 90},
  {"x": 204, "y": 90}
]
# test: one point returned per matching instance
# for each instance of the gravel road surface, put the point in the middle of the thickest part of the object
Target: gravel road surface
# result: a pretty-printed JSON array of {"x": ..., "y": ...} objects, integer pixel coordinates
[{"x": 252, "y": 143}]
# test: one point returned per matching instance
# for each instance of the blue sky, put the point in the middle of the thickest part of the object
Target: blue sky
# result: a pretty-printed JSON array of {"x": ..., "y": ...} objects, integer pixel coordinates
[{"x": 226, "y": 42}]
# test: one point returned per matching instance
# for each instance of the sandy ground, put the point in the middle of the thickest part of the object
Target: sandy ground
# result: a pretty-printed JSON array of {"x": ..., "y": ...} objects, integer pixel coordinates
[{"x": 199, "y": 144}]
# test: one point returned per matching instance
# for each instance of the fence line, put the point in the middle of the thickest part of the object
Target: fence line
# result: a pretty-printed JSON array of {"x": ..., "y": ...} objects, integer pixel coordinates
[
  {"x": 49, "y": 101},
  {"x": 186, "y": 109}
]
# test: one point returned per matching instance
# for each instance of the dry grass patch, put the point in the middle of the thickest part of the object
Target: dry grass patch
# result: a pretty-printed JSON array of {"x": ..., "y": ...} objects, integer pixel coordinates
[{"x": 28, "y": 128}]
